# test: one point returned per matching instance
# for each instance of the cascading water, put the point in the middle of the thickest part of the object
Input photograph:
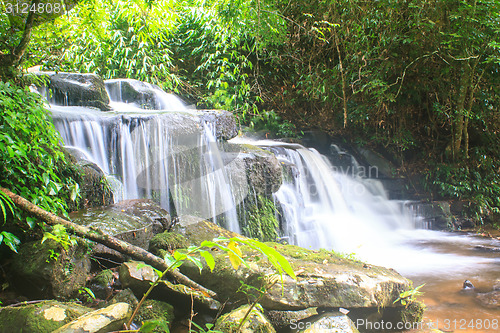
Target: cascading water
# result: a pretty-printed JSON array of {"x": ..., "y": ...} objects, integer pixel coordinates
[
  {"x": 323, "y": 206},
  {"x": 169, "y": 156}
]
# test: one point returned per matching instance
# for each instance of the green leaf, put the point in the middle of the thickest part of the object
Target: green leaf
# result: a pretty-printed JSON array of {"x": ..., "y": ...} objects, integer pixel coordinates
[{"x": 208, "y": 258}]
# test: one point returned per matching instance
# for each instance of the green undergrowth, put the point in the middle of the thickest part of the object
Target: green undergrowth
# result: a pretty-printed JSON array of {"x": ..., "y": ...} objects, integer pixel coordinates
[{"x": 32, "y": 163}]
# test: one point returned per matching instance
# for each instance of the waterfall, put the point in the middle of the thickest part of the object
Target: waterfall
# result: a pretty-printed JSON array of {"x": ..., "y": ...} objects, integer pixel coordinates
[
  {"x": 171, "y": 157},
  {"x": 326, "y": 206}
]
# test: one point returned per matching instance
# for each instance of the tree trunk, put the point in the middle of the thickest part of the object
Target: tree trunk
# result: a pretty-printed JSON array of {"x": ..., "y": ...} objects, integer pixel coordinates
[
  {"x": 107, "y": 240},
  {"x": 458, "y": 122}
]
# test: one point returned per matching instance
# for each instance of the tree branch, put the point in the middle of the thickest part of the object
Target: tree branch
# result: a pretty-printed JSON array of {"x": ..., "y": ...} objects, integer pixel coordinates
[{"x": 107, "y": 240}]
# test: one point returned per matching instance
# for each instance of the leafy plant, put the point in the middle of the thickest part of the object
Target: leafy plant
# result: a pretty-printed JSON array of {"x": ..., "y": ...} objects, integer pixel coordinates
[
  {"x": 409, "y": 296},
  {"x": 61, "y": 236},
  {"x": 195, "y": 253}
]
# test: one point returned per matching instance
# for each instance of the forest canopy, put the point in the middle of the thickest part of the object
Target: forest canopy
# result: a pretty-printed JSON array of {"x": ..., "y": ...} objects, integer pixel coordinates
[{"x": 418, "y": 77}]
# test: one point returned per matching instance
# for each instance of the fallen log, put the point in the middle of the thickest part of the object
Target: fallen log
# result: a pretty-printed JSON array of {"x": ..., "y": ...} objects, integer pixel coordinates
[{"x": 104, "y": 239}]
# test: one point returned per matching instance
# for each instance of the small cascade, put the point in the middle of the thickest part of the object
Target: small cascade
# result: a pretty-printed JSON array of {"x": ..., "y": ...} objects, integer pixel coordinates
[
  {"x": 327, "y": 206},
  {"x": 324, "y": 208}
]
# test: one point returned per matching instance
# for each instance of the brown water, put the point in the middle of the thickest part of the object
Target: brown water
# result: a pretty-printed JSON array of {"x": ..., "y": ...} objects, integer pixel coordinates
[{"x": 450, "y": 308}]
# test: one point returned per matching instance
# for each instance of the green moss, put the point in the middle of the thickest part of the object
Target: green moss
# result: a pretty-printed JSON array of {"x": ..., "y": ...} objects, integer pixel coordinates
[
  {"x": 261, "y": 221},
  {"x": 168, "y": 241},
  {"x": 413, "y": 312},
  {"x": 155, "y": 310},
  {"x": 42, "y": 317},
  {"x": 255, "y": 322},
  {"x": 104, "y": 278}
]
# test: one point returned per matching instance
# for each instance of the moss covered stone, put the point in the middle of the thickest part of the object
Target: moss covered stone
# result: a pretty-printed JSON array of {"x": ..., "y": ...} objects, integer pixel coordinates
[
  {"x": 323, "y": 280},
  {"x": 256, "y": 322},
  {"x": 42, "y": 317},
  {"x": 46, "y": 270},
  {"x": 155, "y": 310},
  {"x": 167, "y": 241}
]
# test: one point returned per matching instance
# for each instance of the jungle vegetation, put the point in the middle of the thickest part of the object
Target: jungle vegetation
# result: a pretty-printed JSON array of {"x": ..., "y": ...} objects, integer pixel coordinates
[{"x": 419, "y": 79}]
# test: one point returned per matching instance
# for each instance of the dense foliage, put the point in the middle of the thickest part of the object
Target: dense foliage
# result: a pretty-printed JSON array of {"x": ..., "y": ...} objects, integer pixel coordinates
[
  {"x": 419, "y": 78},
  {"x": 32, "y": 163}
]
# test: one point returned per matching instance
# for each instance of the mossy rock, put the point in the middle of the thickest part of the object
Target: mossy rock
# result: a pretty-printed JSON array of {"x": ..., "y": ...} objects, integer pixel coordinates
[
  {"x": 323, "y": 280},
  {"x": 168, "y": 241},
  {"x": 42, "y": 317},
  {"x": 255, "y": 322},
  {"x": 197, "y": 231},
  {"x": 155, "y": 310},
  {"x": 47, "y": 270},
  {"x": 101, "y": 284}
]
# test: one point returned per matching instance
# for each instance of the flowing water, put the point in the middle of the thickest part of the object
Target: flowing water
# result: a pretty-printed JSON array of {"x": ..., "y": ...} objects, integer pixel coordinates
[{"x": 173, "y": 158}]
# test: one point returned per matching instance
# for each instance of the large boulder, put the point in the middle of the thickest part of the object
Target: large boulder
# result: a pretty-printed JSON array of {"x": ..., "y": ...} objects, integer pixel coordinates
[
  {"x": 255, "y": 321},
  {"x": 47, "y": 270},
  {"x": 135, "y": 221},
  {"x": 43, "y": 317},
  {"x": 75, "y": 89},
  {"x": 323, "y": 280}
]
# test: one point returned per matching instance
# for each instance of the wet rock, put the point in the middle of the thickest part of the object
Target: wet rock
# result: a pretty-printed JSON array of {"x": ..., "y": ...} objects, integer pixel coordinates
[
  {"x": 47, "y": 270},
  {"x": 125, "y": 296},
  {"x": 255, "y": 322},
  {"x": 134, "y": 221},
  {"x": 262, "y": 170},
  {"x": 385, "y": 167},
  {"x": 323, "y": 280},
  {"x": 197, "y": 230},
  {"x": 496, "y": 286},
  {"x": 155, "y": 310},
  {"x": 108, "y": 319},
  {"x": 436, "y": 215},
  {"x": 43, "y": 317},
  {"x": 101, "y": 284},
  {"x": 75, "y": 89},
  {"x": 167, "y": 241},
  {"x": 223, "y": 123},
  {"x": 328, "y": 322},
  {"x": 280, "y": 319},
  {"x": 137, "y": 277},
  {"x": 489, "y": 300},
  {"x": 467, "y": 285}
]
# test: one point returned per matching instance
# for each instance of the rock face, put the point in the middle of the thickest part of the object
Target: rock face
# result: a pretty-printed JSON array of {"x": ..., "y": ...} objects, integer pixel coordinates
[
  {"x": 134, "y": 221},
  {"x": 104, "y": 320},
  {"x": 40, "y": 272},
  {"x": 255, "y": 322},
  {"x": 138, "y": 278},
  {"x": 43, "y": 317},
  {"x": 74, "y": 89},
  {"x": 223, "y": 123},
  {"x": 323, "y": 281}
]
